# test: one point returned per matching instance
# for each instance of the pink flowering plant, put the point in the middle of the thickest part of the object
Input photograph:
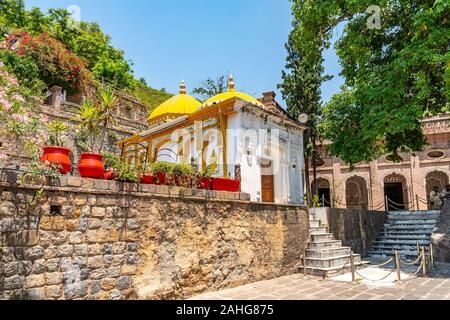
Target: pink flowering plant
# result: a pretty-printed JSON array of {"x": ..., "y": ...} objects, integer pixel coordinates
[{"x": 18, "y": 115}]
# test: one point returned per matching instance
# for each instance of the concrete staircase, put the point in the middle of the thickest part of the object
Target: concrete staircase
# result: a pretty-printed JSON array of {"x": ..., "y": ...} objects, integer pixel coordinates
[
  {"x": 402, "y": 232},
  {"x": 324, "y": 254}
]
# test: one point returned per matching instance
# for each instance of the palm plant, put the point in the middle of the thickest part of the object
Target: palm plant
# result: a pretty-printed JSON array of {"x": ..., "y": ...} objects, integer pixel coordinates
[
  {"x": 56, "y": 130},
  {"x": 89, "y": 117},
  {"x": 107, "y": 104}
]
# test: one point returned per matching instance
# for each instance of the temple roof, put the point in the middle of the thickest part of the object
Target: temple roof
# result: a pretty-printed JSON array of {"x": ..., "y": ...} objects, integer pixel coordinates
[
  {"x": 179, "y": 105},
  {"x": 231, "y": 93}
]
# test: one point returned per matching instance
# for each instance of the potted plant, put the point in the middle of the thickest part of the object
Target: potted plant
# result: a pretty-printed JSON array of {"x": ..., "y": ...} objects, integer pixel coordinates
[
  {"x": 95, "y": 119},
  {"x": 182, "y": 174},
  {"x": 122, "y": 171},
  {"x": 204, "y": 178},
  {"x": 56, "y": 153},
  {"x": 147, "y": 175},
  {"x": 162, "y": 171}
]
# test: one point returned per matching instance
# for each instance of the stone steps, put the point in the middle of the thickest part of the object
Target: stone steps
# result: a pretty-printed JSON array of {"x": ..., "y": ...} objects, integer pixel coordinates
[
  {"x": 321, "y": 236},
  {"x": 325, "y": 244},
  {"x": 326, "y": 255},
  {"x": 402, "y": 232}
]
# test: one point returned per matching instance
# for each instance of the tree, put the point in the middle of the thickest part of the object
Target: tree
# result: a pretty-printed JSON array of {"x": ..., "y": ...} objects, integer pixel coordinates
[
  {"x": 394, "y": 75},
  {"x": 211, "y": 87},
  {"x": 301, "y": 90}
]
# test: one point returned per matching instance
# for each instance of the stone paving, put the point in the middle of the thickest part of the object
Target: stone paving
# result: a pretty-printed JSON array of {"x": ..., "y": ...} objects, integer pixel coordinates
[{"x": 435, "y": 286}]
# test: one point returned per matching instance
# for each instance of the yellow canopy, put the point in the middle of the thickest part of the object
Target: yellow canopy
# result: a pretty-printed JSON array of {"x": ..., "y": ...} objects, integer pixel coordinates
[
  {"x": 179, "y": 105},
  {"x": 231, "y": 93}
]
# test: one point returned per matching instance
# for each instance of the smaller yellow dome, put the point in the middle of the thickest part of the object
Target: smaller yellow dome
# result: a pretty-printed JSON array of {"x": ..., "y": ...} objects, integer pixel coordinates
[
  {"x": 177, "y": 106},
  {"x": 231, "y": 93}
]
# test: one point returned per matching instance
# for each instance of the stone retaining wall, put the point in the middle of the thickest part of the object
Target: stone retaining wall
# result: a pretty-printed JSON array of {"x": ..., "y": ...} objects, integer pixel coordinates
[
  {"x": 357, "y": 228},
  {"x": 91, "y": 239},
  {"x": 441, "y": 235}
]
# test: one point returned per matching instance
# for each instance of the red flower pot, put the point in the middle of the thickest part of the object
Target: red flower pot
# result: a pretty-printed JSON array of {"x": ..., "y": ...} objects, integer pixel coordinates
[
  {"x": 147, "y": 179},
  {"x": 220, "y": 184},
  {"x": 58, "y": 155},
  {"x": 91, "y": 166},
  {"x": 161, "y": 178},
  {"x": 204, "y": 183},
  {"x": 109, "y": 175}
]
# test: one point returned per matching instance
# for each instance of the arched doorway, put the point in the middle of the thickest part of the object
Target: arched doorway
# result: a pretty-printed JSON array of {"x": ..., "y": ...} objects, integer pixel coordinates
[
  {"x": 323, "y": 191},
  {"x": 436, "y": 179},
  {"x": 396, "y": 192},
  {"x": 356, "y": 193}
]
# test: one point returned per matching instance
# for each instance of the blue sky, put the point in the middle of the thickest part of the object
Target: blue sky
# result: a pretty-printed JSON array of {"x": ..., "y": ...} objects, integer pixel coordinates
[{"x": 170, "y": 40}]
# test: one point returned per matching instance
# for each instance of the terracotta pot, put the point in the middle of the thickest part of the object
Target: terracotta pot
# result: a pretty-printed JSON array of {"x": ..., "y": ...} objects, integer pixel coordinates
[
  {"x": 204, "y": 183},
  {"x": 147, "y": 179},
  {"x": 109, "y": 175},
  {"x": 60, "y": 156},
  {"x": 91, "y": 166},
  {"x": 161, "y": 178},
  {"x": 220, "y": 184}
]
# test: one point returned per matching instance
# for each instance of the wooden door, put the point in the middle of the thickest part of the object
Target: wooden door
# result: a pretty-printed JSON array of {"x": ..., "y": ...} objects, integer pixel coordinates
[{"x": 267, "y": 189}]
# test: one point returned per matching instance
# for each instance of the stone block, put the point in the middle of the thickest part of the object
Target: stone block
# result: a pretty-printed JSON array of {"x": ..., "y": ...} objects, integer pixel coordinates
[
  {"x": 124, "y": 283},
  {"x": 129, "y": 270},
  {"x": 98, "y": 274},
  {"x": 53, "y": 223},
  {"x": 36, "y": 294},
  {"x": 101, "y": 184},
  {"x": 114, "y": 272},
  {"x": 95, "y": 287},
  {"x": 92, "y": 200},
  {"x": 10, "y": 269},
  {"x": 14, "y": 282},
  {"x": 65, "y": 251},
  {"x": 87, "y": 183},
  {"x": 98, "y": 212},
  {"x": 35, "y": 281},
  {"x": 108, "y": 224},
  {"x": 35, "y": 253},
  {"x": 162, "y": 190},
  {"x": 66, "y": 264},
  {"x": 119, "y": 247},
  {"x": 72, "y": 225},
  {"x": 54, "y": 278},
  {"x": 94, "y": 250},
  {"x": 132, "y": 224},
  {"x": 116, "y": 295},
  {"x": 76, "y": 238},
  {"x": 80, "y": 250},
  {"x": 38, "y": 267},
  {"x": 79, "y": 200},
  {"x": 52, "y": 265},
  {"x": 55, "y": 200},
  {"x": 106, "y": 201},
  {"x": 58, "y": 238},
  {"x": 176, "y": 191},
  {"x": 108, "y": 284},
  {"x": 95, "y": 262},
  {"x": 53, "y": 292},
  {"x": 73, "y": 182}
]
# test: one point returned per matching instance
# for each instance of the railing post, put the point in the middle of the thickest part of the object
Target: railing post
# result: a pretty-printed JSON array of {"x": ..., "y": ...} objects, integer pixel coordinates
[
  {"x": 195, "y": 168},
  {"x": 424, "y": 260},
  {"x": 433, "y": 262},
  {"x": 386, "y": 203},
  {"x": 397, "y": 266},
  {"x": 418, "y": 249},
  {"x": 305, "y": 274},
  {"x": 352, "y": 263}
]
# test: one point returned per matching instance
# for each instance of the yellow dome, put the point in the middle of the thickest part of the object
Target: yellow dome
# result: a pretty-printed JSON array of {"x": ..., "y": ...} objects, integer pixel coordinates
[
  {"x": 231, "y": 93},
  {"x": 177, "y": 106}
]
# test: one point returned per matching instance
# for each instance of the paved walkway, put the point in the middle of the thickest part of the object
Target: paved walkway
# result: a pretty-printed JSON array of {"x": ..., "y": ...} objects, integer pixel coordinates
[{"x": 435, "y": 286}]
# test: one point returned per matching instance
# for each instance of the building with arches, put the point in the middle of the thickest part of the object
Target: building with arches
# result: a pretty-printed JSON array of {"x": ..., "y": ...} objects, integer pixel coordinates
[
  {"x": 228, "y": 130},
  {"x": 383, "y": 183}
]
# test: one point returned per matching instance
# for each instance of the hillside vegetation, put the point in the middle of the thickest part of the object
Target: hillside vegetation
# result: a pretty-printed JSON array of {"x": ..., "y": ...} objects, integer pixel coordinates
[{"x": 46, "y": 49}]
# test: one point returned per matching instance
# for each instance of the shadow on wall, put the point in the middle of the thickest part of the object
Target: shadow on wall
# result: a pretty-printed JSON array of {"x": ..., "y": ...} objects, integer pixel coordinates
[
  {"x": 357, "y": 228},
  {"x": 441, "y": 235}
]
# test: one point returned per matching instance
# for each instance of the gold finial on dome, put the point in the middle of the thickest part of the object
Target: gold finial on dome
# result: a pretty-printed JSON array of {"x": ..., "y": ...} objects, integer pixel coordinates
[
  {"x": 231, "y": 83},
  {"x": 182, "y": 87}
]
